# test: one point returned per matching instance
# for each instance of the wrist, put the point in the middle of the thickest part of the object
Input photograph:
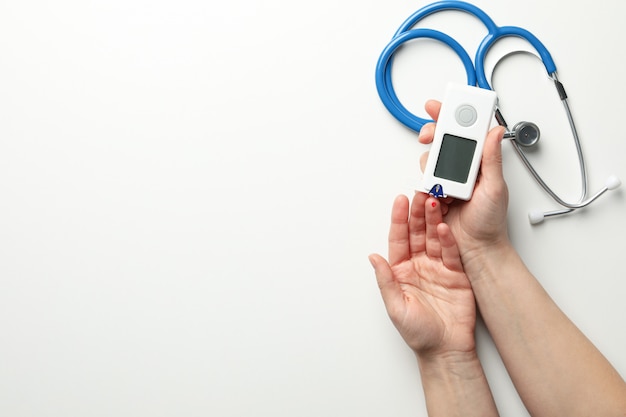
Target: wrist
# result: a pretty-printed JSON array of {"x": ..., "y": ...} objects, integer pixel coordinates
[
  {"x": 460, "y": 365},
  {"x": 483, "y": 260},
  {"x": 455, "y": 385}
]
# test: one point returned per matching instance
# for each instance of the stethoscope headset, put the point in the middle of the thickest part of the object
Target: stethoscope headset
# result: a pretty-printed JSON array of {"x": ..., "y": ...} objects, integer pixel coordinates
[{"x": 523, "y": 134}]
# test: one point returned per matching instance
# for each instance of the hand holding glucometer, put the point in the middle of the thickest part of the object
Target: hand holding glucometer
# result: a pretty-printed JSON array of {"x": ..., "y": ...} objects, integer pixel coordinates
[{"x": 456, "y": 151}]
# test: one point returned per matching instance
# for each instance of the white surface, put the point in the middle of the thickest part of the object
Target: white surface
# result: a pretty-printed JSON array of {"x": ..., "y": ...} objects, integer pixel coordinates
[{"x": 190, "y": 190}]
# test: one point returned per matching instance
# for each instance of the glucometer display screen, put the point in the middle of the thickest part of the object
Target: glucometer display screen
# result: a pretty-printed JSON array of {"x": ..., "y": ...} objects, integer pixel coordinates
[{"x": 455, "y": 158}]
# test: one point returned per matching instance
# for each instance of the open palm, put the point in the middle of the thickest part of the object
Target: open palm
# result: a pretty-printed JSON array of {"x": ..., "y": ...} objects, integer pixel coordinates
[{"x": 426, "y": 292}]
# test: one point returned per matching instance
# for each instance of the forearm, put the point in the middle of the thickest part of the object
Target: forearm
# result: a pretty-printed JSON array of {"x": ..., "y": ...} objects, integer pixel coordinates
[
  {"x": 555, "y": 368},
  {"x": 455, "y": 385}
]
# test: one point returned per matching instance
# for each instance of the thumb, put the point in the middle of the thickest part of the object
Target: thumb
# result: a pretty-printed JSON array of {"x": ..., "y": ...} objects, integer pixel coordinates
[
  {"x": 389, "y": 287},
  {"x": 491, "y": 165}
]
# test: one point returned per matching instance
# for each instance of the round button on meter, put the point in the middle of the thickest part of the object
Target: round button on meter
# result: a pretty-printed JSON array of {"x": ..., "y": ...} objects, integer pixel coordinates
[{"x": 466, "y": 115}]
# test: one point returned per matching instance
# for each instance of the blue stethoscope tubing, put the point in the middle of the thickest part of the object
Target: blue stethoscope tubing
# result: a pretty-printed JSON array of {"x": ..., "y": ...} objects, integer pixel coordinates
[{"x": 475, "y": 75}]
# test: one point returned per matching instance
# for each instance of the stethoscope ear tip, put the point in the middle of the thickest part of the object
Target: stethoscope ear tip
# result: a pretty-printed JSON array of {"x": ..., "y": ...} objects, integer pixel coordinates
[
  {"x": 613, "y": 182},
  {"x": 536, "y": 216}
]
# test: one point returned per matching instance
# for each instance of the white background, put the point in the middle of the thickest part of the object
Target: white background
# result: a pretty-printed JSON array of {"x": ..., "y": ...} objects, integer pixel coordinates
[{"x": 190, "y": 190}]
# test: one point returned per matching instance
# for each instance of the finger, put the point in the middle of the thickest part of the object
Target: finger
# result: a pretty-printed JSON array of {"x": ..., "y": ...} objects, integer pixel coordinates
[
  {"x": 390, "y": 289},
  {"x": 433, "y": 218},
  {"x": 399, "y": 231},
  {"x": 417, "y": 224},
  {"x": 433, "y": 107},
  {"x": 449, "y": 249},
  {"x": 427, "y": 132},
  {"x": 444, "y": 207},
  {"x": 491, "y": 165}
]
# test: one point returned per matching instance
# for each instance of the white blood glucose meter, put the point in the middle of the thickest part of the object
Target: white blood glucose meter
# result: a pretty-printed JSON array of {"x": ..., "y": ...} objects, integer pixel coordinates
[{"x": 457, "y": 147}]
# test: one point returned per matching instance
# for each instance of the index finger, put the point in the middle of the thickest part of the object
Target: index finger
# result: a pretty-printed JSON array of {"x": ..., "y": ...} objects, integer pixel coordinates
[
  {"x": 433, "y": 218},
  {"x": 427, "y": 132},
  {"x": 433, "y": 107}
]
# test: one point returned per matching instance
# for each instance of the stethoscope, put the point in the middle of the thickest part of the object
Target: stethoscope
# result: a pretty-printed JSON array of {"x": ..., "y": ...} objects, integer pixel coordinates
[{"x": 523, "y": 134}]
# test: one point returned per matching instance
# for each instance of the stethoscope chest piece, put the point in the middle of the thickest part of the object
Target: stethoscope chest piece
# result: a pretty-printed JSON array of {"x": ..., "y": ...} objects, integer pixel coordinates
[{"x": 526, "y": 134}]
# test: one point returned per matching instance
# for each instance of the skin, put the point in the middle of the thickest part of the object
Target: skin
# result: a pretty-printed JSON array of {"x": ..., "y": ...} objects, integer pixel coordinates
[
  {"x": 556, "y": 370},
  {"x": 480, "y": 223},
  {"x": 429, "y": 299}
]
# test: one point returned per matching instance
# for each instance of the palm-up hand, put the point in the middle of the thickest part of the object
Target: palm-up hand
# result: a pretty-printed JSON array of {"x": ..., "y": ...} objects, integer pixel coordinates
[{"x": 426, "y": 292}]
